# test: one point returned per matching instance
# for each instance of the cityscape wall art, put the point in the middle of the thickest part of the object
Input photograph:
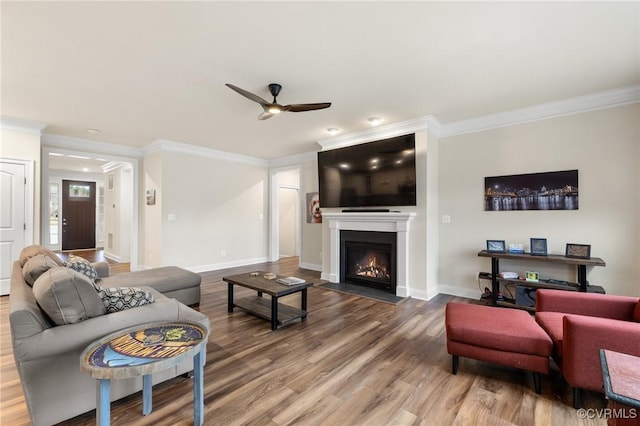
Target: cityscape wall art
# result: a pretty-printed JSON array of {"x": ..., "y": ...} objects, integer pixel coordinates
[{"x": 533, "y": 191}]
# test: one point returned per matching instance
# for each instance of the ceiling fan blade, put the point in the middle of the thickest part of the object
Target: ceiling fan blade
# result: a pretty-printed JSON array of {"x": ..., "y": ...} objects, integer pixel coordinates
[
  {"x": 306, "y": 107},
  {"x": 248, "y": 95},
  {"x": 265, "y": 115}
]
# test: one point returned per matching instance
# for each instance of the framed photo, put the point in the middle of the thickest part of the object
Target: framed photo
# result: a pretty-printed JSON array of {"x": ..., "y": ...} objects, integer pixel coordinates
[
  {"x": 532, "y": 191},
  {"x": 581, "y": 251},
  {"x": 538, "y": 246},
  {"x": 151, "y": 197},
  {"x": 496, "y": 246},
  {"x": 532, "y": 276},
  {"x": 314, "y": 214}
]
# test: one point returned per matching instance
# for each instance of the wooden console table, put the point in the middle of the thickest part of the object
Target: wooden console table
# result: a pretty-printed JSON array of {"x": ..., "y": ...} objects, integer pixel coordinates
[{"x": 580, "y": 264}]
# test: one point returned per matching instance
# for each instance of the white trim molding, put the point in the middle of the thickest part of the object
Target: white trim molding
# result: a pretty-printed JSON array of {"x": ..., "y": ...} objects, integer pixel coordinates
[
  {"x": 380, "y": 132},
  {"x": 201, "y": 151},
  {"x": 89, "y": 145},
  {"x": 22, "y": 125},
  {"x": 600, "y": 100}
]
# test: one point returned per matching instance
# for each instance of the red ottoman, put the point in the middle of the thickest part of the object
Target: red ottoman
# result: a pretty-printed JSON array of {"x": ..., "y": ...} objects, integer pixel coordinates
[{"x": 509, "y": 337}]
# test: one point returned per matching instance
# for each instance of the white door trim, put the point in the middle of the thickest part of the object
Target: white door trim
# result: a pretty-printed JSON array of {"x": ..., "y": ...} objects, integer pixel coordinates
[{"x": 274, "y": 230}]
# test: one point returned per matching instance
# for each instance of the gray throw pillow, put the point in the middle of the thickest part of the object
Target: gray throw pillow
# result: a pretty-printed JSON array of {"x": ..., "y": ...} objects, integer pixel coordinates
[
  {"x": 67, "y": 296},
  {"x": 117, "y": 299},
  {"x": 29, "y": 251},
  {"x": 83, "y": 266},
  {"x": 36, "y": 266}
]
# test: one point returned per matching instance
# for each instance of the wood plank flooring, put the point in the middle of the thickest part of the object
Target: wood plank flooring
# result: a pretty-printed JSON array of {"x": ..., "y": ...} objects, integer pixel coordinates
[{"x": 354, "y": 361}]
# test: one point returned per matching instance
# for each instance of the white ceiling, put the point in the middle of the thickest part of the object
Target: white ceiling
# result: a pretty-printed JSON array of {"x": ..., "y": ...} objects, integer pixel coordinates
[{"x": 142, "y": 71}]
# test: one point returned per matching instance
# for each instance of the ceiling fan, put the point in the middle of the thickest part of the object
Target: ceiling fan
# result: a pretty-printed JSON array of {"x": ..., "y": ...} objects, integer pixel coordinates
[{"x": 271, "y": 108}]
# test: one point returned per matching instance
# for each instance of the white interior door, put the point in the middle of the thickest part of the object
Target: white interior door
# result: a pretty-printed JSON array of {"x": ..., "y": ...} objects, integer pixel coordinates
[
  {"x": 12, "y": 219},
  {"x": 288, "y": 221}
]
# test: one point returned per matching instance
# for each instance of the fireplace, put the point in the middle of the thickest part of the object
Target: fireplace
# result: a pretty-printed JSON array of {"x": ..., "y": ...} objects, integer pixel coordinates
[
  {"x": 394, "y": 223},
  {"x": 368, "y": 258}
]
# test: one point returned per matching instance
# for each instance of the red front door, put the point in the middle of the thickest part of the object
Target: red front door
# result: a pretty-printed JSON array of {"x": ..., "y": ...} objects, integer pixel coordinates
[{"x": 78, "y": 215}]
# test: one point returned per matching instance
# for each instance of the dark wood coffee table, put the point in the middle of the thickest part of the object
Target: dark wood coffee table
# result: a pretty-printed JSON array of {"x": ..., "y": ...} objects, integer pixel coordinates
[{"x": 273, "y": 311}]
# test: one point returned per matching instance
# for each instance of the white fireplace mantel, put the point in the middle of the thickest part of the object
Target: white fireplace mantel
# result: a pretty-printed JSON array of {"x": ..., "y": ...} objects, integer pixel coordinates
[{"x": 397, "y": 222}]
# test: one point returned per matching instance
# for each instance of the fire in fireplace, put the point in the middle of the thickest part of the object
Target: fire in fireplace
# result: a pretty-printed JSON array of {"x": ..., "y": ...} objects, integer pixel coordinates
[
  {"x": 374, "y": 264},
  {"x": 368, "y": 258}
]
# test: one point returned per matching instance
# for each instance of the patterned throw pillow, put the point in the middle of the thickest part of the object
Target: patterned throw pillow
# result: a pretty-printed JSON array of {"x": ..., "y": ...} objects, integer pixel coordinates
[
  {"x": 117, "y": 299},
  {"x": 83, "y": 266}
]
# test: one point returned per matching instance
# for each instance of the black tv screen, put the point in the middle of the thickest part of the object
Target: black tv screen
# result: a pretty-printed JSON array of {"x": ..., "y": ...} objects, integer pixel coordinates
[{"x": 374, "y": 174}]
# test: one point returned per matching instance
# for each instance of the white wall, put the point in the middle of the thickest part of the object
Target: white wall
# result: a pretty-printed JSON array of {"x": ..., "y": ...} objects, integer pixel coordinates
[
  {"x": 220, "y": 210},
  {"x": 311, "y": 233},
  {"x": 151, "y": 215},
  {"x": 603, "y": 145}
]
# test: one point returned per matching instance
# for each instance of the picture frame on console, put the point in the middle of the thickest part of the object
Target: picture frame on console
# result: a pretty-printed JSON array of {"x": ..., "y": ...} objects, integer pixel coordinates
[
  {"x": 538, "y": 246},
  {"x": 496, "y": 246},
  {"x": 579, "y": 251}
]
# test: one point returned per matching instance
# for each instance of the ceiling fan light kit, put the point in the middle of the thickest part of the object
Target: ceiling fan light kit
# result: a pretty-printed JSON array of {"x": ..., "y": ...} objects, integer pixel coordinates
[{"x": 271, "y": 108}]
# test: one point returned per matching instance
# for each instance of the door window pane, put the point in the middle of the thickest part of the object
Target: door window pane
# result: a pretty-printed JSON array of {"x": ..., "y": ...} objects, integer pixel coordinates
[
  {"x": 79, "y": 191},
  {"x": 54, "y": 213}
]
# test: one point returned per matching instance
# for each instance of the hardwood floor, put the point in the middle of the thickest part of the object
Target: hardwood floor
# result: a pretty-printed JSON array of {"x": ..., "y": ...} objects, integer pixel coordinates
[{"x": 354, "y": 361}]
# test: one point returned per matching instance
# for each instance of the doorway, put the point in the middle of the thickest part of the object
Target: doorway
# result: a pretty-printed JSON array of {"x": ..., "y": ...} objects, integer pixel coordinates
[
  {"x": 78, "y": 215},
  {"x": 284, "y": 213}
]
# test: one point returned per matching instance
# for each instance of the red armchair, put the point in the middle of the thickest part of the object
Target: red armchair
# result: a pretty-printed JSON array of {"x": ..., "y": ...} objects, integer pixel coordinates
[{"x": 580, "y": 324}]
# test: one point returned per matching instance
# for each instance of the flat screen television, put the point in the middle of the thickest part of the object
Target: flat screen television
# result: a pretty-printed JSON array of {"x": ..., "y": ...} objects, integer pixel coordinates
[{"x": 374, "y": 174}]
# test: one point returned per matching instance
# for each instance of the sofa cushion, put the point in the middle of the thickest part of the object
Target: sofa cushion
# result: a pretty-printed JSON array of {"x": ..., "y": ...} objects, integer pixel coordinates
[
  {"x": 636, "y": 312},
  {"x": 83, "y": 266},
  {"x": 30, "y": 251},
  {"x": 551, "y": 323},
  {"x": 67, "y": 296},
  {"x": 122, "y": 298},
  {"x": 36, "y": 266}
]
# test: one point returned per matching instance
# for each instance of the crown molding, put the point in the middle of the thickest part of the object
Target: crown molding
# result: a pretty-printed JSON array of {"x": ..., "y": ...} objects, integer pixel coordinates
[
  {"x": 161, "y": 145},
  {"x": 380, "y": 132},
  {"x": 293, "y": 159},
  {"x": 89, "y": 145},
  {"x": 595, "y": 101},
  {"x": 20, "y": 125}
]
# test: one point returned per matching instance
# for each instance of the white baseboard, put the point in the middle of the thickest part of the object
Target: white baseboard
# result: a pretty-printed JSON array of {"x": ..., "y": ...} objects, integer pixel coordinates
[
  {"x": 5, "y": 287},
  {"x": 112, "y": 257},
  {"x": 225, "y": 265},
  {"x": 460, "y": 292},
  {"x": 311, "y": 266}
]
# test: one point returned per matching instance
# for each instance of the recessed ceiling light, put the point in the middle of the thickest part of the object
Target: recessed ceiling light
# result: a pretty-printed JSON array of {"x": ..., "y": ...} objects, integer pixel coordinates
[
  {"x": 333, "y": 131},
  {"x": 374, "y": 121},
  {"x": 92, "y": 131},
  {"x": 84, "y": 169}
]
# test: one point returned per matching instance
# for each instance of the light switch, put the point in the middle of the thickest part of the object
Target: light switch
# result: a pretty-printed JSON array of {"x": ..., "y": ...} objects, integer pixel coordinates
[
  {"x": 171, "y": 217},
  {"x": 446, "y": 218}
]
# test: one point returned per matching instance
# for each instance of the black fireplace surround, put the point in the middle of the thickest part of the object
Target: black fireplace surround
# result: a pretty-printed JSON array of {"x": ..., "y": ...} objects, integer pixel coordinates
[{"x": 368, "y": 258}]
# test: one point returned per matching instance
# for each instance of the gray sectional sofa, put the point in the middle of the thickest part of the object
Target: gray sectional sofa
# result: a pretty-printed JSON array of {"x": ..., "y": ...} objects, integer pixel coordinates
[{"x": 47, "y": 354}]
